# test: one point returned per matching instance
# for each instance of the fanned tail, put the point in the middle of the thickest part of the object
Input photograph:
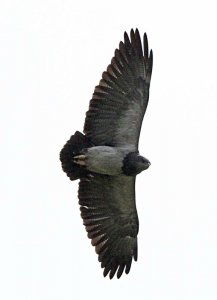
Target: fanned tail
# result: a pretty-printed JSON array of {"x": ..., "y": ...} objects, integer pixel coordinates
[{"x": 74, "y": 146}]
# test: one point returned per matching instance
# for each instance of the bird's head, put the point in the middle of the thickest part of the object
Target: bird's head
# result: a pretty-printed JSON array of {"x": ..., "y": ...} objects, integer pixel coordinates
[
  {"x": 142, "y": 163},
  {"x": 134, "y": 164}
]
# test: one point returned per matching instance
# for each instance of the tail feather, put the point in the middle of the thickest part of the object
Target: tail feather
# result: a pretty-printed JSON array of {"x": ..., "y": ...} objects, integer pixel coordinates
[{"x": 73, "y": 147}]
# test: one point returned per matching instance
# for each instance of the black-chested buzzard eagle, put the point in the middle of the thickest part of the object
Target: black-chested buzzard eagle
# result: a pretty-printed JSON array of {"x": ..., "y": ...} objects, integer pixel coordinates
[{"x": 106, "y": 158}]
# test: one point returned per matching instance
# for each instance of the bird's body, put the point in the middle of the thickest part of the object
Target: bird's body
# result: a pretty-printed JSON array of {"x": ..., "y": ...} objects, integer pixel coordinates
[
  {"x": 111, "y": 161},
  {"x": 106, "y": 159}
]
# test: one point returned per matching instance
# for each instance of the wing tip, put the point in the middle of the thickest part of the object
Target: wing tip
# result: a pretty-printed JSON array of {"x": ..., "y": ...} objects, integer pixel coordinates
[
  {"x": 118, "y": 268},
  {"x": 149, "y": 66}
]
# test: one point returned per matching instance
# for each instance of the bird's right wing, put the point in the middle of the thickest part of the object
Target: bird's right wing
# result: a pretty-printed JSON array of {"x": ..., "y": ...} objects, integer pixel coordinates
[
  {"x": 120, "y": 100},
  {"x": 109, "y": 214}
]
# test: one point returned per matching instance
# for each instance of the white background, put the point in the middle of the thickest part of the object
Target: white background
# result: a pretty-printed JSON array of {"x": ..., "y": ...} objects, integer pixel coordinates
[{"x": 52, "y": 54}]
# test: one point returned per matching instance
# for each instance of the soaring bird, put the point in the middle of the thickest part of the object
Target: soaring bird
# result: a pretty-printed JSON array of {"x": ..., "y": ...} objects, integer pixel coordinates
[{"x": 106, "y": 158}]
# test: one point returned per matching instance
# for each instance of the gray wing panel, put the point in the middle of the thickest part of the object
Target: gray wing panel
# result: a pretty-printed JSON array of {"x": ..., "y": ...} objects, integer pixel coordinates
[
  {"x": 120, "y": 100},
  {"x": 109, "y": 214}
]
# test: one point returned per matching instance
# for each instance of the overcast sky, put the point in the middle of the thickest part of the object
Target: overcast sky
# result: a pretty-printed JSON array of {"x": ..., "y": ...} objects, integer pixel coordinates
[{"x": 52, "y": 54}]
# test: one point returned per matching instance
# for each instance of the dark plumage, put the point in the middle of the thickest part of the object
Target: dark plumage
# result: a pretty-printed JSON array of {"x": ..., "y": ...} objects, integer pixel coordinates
[{"x": 106, "y": 158}]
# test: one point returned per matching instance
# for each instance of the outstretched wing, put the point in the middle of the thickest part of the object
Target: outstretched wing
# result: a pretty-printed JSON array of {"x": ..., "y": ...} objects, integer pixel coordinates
[
  {"x": 109, "y": 214},
  {"x": 120, "y": 100}
]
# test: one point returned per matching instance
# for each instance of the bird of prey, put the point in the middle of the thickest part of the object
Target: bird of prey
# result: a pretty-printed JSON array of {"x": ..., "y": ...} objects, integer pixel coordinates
[{"x": 106, "y": 158}]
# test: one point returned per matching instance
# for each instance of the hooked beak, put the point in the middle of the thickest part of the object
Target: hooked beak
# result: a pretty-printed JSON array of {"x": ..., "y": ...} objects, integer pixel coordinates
[{"x": 147, "y": 163}]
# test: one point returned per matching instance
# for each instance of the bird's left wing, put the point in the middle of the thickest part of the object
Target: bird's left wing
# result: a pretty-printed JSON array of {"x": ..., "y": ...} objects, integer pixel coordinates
[{"x": 109, "y": 214}]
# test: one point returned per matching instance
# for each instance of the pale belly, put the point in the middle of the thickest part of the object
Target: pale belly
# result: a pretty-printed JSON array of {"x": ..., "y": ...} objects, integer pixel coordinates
[{"x": 105, "y": 160}]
